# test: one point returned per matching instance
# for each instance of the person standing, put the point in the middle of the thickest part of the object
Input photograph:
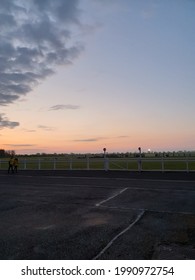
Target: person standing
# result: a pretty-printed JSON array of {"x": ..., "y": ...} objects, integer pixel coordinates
[
  {"x": 11, "y": 165},
  {"x": 15, "y": 165}
]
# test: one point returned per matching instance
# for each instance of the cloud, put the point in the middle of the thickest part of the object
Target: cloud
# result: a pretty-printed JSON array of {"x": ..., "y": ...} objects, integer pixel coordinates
[
  {"x": 87, "y": 140},
  {"x": 19, "y": 145},
  {"x": 63, "y": 107},
  {"x": 90, "y": 139},
  {"x": 36, "y": 37},
  {"x": 5, "y": 123},
  {"x": 98, "y": 138},
  {"x": 28, "y": 130},
  {"x": 46, "y": 128}
]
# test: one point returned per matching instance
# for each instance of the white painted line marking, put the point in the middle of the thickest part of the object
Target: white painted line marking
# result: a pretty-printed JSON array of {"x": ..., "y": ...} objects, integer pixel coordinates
[
  {"x": 118, "y": 235},
  {"x": 111, "y": 197}
]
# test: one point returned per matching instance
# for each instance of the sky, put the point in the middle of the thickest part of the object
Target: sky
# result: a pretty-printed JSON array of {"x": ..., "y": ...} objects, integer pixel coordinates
[{"x": 77, "y": 76}]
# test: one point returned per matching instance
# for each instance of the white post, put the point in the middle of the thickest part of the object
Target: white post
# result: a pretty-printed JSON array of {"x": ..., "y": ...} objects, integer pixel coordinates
[
  {"x": 162, "y": 163},
  {"x": 54, "y": 164},
  {"x": 87, "y": 162},
  {"x": 140, "y": 160},
  {"x": 187, "y": 165},
  {"x": 71, "y": 163},
  {"x": 25, "y": 163},
  {"x": 106, "y": 163},
  {"x": 39, "y": 164}
]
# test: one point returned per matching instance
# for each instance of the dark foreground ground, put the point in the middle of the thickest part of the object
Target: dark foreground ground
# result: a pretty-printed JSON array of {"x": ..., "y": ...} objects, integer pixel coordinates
[{"x": 97, "y": 215}]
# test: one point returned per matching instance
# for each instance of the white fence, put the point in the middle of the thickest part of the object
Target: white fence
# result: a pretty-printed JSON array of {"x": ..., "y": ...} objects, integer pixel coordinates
[{"x": 130, "y": 164}]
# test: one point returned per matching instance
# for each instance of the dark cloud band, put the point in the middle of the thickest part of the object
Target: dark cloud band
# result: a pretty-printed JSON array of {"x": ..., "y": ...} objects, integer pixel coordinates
[{"x": 35, "y": 38}]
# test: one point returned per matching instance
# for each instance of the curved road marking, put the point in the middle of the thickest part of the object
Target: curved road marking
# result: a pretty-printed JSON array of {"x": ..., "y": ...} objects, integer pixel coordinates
[{"x": 118, "y": 235}]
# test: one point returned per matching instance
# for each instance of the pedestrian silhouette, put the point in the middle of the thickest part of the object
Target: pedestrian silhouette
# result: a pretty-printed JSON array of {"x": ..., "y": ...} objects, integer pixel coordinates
[
  {"x": 15, "y": 165},
  {"x": 11, "y": 165}
]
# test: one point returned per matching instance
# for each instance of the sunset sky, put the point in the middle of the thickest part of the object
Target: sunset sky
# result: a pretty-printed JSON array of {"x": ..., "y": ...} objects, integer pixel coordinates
[{"x": 81, "y": 75}]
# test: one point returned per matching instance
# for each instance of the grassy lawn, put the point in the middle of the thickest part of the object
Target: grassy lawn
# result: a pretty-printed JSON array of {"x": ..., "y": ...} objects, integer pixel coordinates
[{"x": 49, "y": 163}]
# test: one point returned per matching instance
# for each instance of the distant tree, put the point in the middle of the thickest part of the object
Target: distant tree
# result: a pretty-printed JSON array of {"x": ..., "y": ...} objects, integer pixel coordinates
[
  {"x": 10, "y": 153},
  {"x": 2, "y": 153}
]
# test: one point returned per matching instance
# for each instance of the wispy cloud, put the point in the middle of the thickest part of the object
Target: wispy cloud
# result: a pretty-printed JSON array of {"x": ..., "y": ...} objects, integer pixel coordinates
[
  {"x": 93, "y": 139},
  {"x": 19, "y": 145},
  {"x": 64, "y": 107},
  {"x": 46, "y": 128},
  {"x": 36, "y": 36},
  {"x": 87, "y": 140},
  {"x": 5, "y": 123},
  {"x": 28, "y": 130}
]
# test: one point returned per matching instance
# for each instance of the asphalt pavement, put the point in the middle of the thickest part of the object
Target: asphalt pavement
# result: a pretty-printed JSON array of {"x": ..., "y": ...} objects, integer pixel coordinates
[{"x": 75, "y": 215}]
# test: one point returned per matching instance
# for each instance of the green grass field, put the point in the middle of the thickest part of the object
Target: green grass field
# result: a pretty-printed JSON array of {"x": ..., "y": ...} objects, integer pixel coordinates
[{"x": 51, "y": 163}]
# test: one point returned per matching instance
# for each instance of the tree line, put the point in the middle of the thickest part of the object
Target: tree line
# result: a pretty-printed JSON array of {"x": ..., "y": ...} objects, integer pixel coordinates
[{"x": 9, "y": 153}]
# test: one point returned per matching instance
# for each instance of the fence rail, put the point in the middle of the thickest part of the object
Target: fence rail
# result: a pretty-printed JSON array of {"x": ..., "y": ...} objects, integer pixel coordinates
[{"x": 130, "y": 164}]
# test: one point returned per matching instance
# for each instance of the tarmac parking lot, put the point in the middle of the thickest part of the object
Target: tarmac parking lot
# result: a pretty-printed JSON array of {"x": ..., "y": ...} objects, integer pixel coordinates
[{"x": 96, "y": 215}]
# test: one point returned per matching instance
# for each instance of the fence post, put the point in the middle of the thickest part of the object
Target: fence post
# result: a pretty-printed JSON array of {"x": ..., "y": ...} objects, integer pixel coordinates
[
  {"x": 139, "y": 163},
  {"x": 39, "y": 163},
  {"x": 25, "y": 163},
  {"x": 106, "y": 164},
  {"x": 71, "y": 163},
  {"x": 162, "y": 164},
  {"x": 105, "y": 160},
  {"x": 87, "y": 162},
  {"x": 187, "y": 165},
  {"x": 140, "y": 160},
  {"x": 54, "y": 164}
]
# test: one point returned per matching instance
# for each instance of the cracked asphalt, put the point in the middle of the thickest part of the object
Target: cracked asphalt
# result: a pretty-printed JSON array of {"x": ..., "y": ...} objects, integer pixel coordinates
[{"x": 67, "y": 215}]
